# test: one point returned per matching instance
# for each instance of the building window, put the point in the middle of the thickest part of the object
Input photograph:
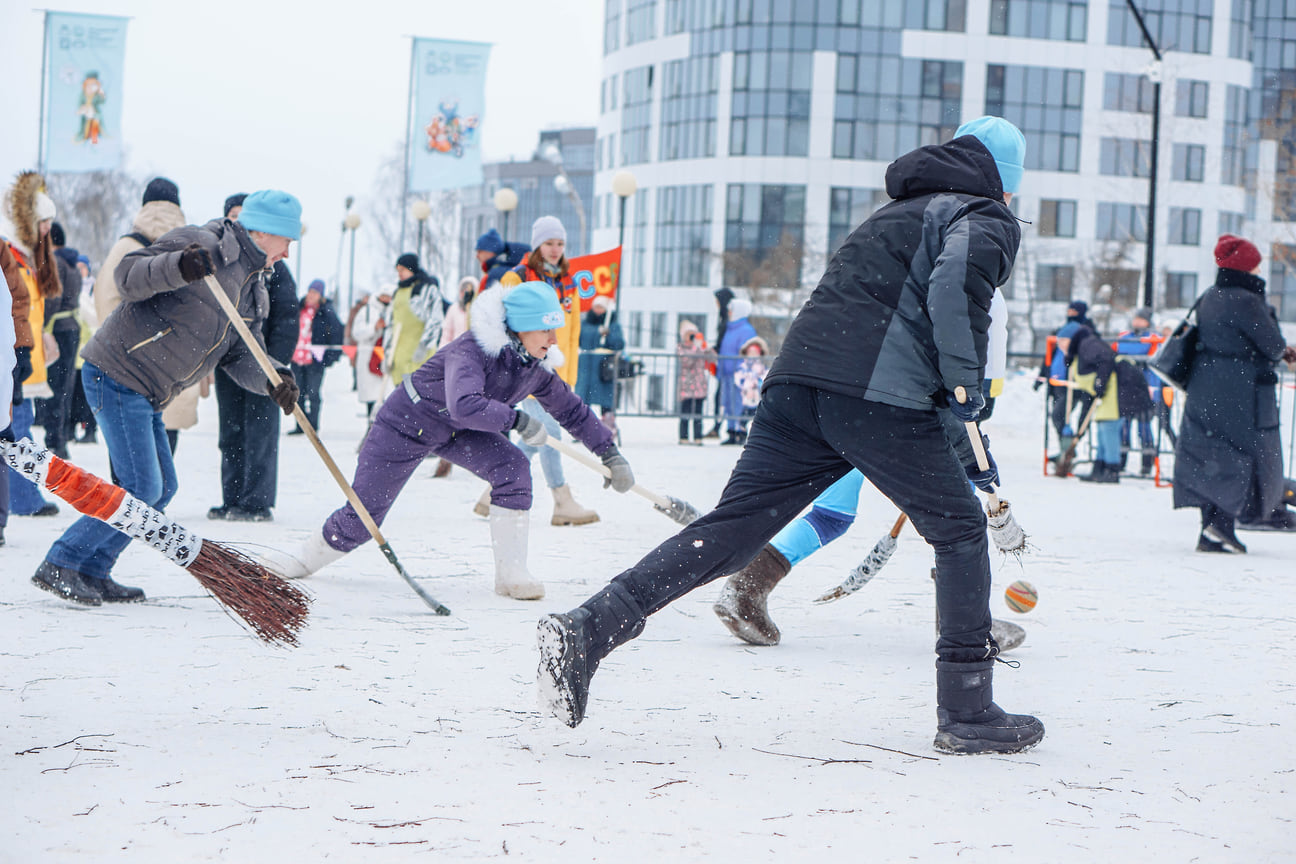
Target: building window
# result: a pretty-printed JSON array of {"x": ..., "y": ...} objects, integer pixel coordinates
[
  {"x": 1046, "y": 105},
  {"x": 641, "y": 21},
  {"x": 847, "y": 209},
  {"x": 689, "y": 97},
  {"x": 1180, "y": 290},
  {"x": 764, "y": 229},
  {"x": 1282, "y": 281},
  {"x": 611, "y": 26},
  {"x": 1176, "y": 25},
  {"x": 657, "y": 330},
  {"x": 636, "y": 114},
  {"x": 1125, "y": 157},
  {"x": 1054, "y": 281},
  {"x": 639, "y": 262},
  {"x": 1122, "y": 222},
  {"x": 1240, "y": 30},
  {"x": 947, "y": 15},
  {"x": 1131, "y": 93},
  {"x": 1191, "y": 98},
  {"x": 1234, "y": 162},
  {"x": 1040, "y": 19},
  {"x": 1185, "y": 226},
  {"x": 1189, "y": 163},
  {"x": 1057, "y": 218},
  {"x": 683, "y": 245},
  {"x": 1231, "y": 223},
  {"x": 887, "y": 106},
  {"x": 771, "y": 103}
]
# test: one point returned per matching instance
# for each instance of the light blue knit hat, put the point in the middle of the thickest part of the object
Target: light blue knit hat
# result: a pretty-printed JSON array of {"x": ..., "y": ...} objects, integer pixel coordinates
[
  {"x": 1006, "y": 144},
  {"x": 272, "y": 212},
  {"x": 533, "y": 306}
]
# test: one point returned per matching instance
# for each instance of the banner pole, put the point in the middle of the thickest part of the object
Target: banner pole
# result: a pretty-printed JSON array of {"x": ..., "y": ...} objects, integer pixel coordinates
[
  {"x": 40, "y": 146},
  {"x": 409, "y": 127}
]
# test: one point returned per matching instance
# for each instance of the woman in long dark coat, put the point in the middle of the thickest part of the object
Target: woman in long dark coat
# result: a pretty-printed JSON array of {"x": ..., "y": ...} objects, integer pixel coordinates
[{"x": 1228, "y": 461}]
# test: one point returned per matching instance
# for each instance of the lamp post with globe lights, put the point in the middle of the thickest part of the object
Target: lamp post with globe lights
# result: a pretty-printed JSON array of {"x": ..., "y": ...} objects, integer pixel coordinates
[
  {"x": 420, "y": 210},
  {"x": 623, "y": 186},
  {"x": 563, "y": 184},
  {"x": 506, "y": 201},
  {"x": 351, "y": 223}
]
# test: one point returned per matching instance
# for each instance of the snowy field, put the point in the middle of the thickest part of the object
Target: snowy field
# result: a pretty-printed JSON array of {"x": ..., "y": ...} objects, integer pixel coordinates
[{"x": 163, "y": 732}]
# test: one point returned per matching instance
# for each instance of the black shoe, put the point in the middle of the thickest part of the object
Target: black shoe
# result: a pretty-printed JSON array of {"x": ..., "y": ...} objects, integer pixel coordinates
[
  {"x": 220, "y": 513},
  {"x": 68, "y": 584},
  {"x": 1282, "y": 519},
  {"x": 566, "y": 666},
  {"x": 1149, "y": 462},
  {"x": 1222, "y": 532},
  {"x": 47, "y": 509},
  {"x": 254, "y": 514},
  {"x": 1205, "y": 544},
  {"x": 967, "y": 719},
  {"x": 112, "y": 592}
]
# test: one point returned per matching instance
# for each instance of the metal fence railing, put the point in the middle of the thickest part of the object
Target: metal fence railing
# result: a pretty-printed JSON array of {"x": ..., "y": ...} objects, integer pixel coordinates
[{"x": 652, "y": 386}]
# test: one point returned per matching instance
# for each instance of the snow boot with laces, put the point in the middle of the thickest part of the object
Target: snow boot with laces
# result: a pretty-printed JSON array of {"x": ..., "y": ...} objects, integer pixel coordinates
[
  {"x": 967, "y": 719},
  {"x": 571, "y": 645},
  {"x": 742, "y": 603},
  {"x": 566, "y": 511}
]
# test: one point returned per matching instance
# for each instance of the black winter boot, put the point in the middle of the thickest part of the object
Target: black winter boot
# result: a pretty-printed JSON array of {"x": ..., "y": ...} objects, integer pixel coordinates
[
  {"x": 1221, "y": 531},
  {"x": 113, "y": 592},
  {"x": 1149, "y": 462},
  {"x": 572, "y": 644},
  {"x": 742, "y": 601},
  {"x": 967, "y": 719},
  {"x": 68, "y": 584}
]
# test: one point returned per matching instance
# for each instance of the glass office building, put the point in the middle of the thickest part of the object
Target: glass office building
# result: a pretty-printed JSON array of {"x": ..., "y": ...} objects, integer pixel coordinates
[{"x": 759, "y": 132}]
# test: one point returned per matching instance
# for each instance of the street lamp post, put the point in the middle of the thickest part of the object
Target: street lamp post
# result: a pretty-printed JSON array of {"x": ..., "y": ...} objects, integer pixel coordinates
[
  {"x": 506, "y": 201},
  {"x": 352, "y": 222},
  {"x": 623, "y": 186},
  {"x": 420, "y": 210},
  {"x": 1154, "y": 72},
  {"x": 563, "y": 184}
]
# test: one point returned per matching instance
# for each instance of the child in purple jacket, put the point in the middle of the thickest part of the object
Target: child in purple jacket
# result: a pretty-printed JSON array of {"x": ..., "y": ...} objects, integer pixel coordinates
[{"x": 459, "y": 405}]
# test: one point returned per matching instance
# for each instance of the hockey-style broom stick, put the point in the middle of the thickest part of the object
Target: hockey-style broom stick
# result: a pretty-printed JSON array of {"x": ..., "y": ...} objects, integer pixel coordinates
[
  {"x": 681, "y": 512},
  {"x": 1008, "y": 536},
  {"x": 1067, "y": 459},
  {"x": 273, "y": 608},
  {"x": 273, "y": 375},
  {"x": 869, "y": 567}
]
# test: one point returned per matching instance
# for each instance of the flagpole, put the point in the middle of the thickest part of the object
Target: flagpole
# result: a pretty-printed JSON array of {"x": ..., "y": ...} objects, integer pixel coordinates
[
  {"x": 40, "y": 145},
  {"x": 409, "y": 125}
]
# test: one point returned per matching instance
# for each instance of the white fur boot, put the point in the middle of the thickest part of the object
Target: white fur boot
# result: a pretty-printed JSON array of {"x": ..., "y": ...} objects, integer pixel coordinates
[
  {"x": 311, "y": 557},
  {"x": 509, "y": 535}
]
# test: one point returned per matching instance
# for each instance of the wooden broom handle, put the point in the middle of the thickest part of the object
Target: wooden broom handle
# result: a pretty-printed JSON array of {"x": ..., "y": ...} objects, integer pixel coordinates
[
  {"x": 974, "y": 437},
  {"x": 590, "y": 461}
]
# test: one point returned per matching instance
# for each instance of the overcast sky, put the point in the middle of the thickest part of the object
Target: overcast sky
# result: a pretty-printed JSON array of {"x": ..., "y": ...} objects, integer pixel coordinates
[{"x": 306, "y": 96}]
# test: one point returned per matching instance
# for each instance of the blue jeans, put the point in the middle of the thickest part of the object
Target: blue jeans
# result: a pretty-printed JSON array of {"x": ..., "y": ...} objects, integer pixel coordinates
[
  {"x": 550, "y": 461},
  {"x": 1109, "y": 444},
  {"x": 24, "y": 498},
  {"x": 141, "y": 456}
]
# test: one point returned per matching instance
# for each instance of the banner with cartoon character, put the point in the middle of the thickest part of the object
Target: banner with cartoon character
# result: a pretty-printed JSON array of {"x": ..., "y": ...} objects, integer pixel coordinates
[
  {"x": 449, "y": 97},
  {"x": 595, "y": 274},
  {"x": 83, "y": 92}
]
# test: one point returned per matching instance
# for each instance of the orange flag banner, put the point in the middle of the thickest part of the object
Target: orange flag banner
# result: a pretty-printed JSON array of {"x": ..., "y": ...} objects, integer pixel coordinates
[{"x": 596, "y": 274}]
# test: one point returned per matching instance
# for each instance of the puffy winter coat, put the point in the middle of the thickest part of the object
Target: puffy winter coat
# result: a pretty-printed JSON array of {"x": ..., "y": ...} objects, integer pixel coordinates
[
  {"x": 152, "y": 221},
  {"x": 1228, "y": 452},
  {"x": 595, "y": 347},
  {"x": 1097, "y": 370},
  {"x": 902, "y": 312},
  {"x": 366, "y": 330},
  {"x": 61, "y": 313},
  {"x": 168, "y": 334}
]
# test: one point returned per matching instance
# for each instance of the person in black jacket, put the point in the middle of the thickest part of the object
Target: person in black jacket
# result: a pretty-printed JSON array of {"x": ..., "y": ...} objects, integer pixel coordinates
[
  {"x": 1121, "y": 391},
  {"x": 319, "y": 337},
  {"x": 63, "y": 322},
  {"x": 249, "y": 422},
  {"x": 910, "y": 289},
  {"x": 1228, "y": 459}
]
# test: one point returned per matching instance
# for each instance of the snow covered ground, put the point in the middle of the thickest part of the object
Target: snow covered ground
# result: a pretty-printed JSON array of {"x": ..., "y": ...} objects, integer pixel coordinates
[{"x": 164, "y": 732}]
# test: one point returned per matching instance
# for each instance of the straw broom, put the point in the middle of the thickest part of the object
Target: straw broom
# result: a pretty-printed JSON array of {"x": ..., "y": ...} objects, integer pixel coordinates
[
  {"x": 869, "y": 567},
  {"x": 274, "y": 609},
  {"x": 1007, "y": 535}
]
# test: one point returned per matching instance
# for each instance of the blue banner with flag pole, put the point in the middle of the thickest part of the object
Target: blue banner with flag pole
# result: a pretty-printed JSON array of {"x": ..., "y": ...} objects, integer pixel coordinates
[
  {"x": 448, "y": 98},
  {"x": 82, "y": 107}
]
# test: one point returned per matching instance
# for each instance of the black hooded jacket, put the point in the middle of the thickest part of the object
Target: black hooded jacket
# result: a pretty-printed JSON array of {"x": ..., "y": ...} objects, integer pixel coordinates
[{"x": 902, "y": 313}]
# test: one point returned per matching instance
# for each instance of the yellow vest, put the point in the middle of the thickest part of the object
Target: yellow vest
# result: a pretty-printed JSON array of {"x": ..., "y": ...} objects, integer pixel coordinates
[{"x": 408, "y": 331}]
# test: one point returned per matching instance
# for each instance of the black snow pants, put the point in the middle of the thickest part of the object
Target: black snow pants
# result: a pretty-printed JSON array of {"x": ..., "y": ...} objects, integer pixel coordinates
[
  {"x": 802, "y": 440},
  {"x": 249, "y": 445}
]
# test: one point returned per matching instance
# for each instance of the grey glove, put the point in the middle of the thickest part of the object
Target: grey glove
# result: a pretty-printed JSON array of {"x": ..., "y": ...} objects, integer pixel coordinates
[
  {"x": 622, "y": 478},
  {"x": 531, "y": 429}
]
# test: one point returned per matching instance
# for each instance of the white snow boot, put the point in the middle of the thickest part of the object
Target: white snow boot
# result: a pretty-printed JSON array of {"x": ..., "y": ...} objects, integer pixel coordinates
[
  {"x": 566, "y": 511},
  {"x": 311, "y": 557},
  {"x": 483, "y": 506},
  {"x": 509, "y": 534}
]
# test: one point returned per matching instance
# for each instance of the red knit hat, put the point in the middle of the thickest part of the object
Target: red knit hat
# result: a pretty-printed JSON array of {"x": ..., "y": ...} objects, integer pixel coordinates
[{"x": 1234, "y": 253}]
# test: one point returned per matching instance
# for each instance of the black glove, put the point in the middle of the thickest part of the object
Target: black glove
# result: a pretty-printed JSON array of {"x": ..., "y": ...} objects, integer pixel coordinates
[
  {"x": 970, "y": 410},
  {"x": 195, "y": 263},
  {"x": 1039, "y": 382},
  {"x": 622, "y": 477},
  {"x": 285, "y": 392},
  {"x": 23, "y": 369},
  {"x": 531, "y": 429},
  {"x": 988, "y": 479}
]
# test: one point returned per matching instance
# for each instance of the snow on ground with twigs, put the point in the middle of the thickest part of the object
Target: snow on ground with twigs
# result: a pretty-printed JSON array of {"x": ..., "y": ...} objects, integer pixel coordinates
[{"x": 164, "y": 732}]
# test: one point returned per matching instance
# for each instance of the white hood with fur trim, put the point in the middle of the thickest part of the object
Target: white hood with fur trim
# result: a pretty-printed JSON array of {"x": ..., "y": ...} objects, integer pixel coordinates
[{"x": 489, "y": 329}]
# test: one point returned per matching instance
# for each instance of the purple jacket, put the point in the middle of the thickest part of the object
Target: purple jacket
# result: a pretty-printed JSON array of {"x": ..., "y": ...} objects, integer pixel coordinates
[{"x": 475, "y": 380}]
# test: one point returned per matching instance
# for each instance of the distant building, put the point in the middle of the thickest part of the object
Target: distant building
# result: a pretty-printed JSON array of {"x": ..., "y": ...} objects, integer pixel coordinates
[
  {"x": 759, "y": 132},
  {"x": 533, "y": 181}
]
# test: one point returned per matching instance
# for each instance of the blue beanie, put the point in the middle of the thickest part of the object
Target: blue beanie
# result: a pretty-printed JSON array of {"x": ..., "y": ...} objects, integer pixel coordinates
[
  {"x": 1006, "y": 144},
  {"x": 318, "y": 286},
  {"x": 533, "y": 306},
  {"x": 272, "y": 212},
  {"x": 490, "y": 242}
]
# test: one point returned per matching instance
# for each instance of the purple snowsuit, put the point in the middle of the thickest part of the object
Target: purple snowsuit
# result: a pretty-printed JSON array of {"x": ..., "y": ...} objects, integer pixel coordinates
[{"x": 461, "y": 410}]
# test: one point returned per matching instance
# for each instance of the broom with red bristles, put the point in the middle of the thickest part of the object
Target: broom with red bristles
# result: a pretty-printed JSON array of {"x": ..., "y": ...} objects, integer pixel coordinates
[{"x": 272, "y": 607}]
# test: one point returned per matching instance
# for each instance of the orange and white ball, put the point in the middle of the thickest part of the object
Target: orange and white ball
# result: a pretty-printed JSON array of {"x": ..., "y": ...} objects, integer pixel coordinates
[{"x": 1021, "y": 596}]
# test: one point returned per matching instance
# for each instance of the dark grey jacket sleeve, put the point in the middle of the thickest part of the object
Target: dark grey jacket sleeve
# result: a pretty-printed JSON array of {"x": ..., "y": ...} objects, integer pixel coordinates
[{"x": 155, "y": 268}]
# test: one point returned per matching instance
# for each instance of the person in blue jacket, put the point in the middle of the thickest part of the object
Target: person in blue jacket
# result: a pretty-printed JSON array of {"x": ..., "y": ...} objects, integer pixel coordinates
[{"x": 738, "y": 332}]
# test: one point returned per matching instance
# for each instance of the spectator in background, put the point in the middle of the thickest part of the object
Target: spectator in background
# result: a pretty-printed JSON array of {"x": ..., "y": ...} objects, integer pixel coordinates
[
  {"x": 249, "y": 421},
  {"x": 1120, "y": 390},
  {"x": 497, "y": 256},
  {"x": 1078, "y": 313},
  {"x": 415, "y": 307},
  {"x": 738, "y": 332},
  {"x": 694, "y": 355},
  {"x": 64, "y": 325},
  {"x": 751, "y": 375},
  {"x": 159, "y": 213},
  {"x": 456, "y": 317},
  {"x": 8, "y": 361},
  {"x": 81, "y": 420},
  {"x": 1138, "y": 341},
  {"x": 723, "y": 297},
  {"x": 319, "y": 335},
  {"x": 601, "y": 342},
  {"x": 27, "y": 259},
  {"x": 367, "y": 331}
]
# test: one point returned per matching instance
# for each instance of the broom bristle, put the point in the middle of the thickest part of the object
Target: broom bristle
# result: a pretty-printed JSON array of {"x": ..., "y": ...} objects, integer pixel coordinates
[{"x": 272, "y": 607}]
